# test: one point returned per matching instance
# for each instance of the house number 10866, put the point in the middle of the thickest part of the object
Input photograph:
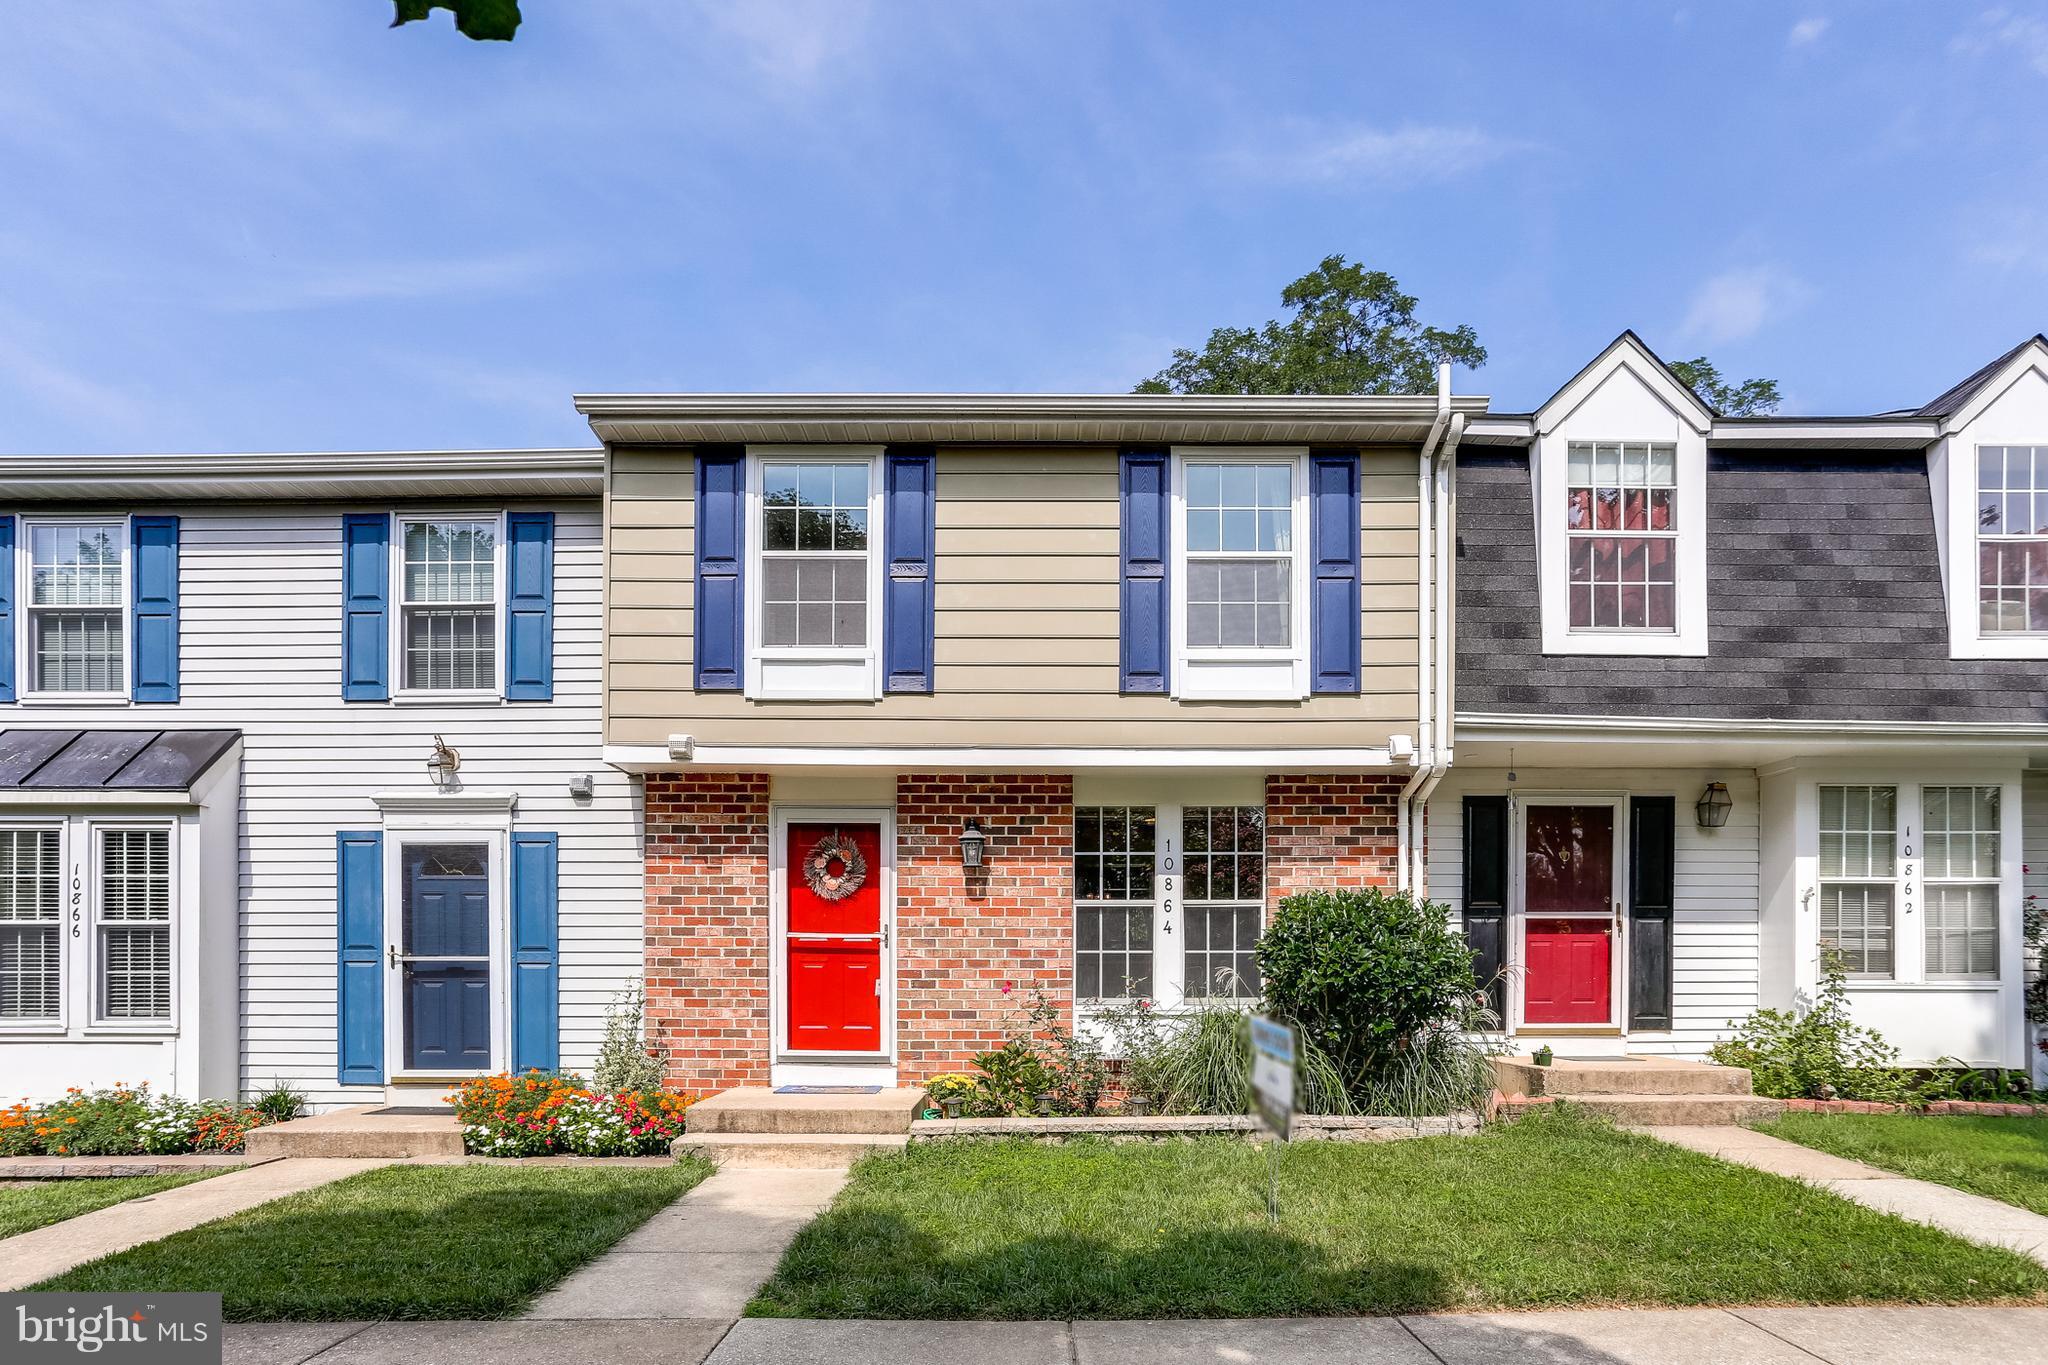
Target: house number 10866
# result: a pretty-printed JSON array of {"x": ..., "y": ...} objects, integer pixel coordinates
[{"x": 77, "y": 904}]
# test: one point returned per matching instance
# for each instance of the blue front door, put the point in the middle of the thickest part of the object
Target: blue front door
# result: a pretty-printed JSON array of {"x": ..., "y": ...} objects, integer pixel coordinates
[{"x": 445, "y": 956}]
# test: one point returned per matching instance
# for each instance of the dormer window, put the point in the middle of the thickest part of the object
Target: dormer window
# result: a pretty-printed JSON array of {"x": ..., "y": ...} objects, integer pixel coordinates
[
  {"x": 1622, "y": 529},
  {"x": 2012, "y": 540}
]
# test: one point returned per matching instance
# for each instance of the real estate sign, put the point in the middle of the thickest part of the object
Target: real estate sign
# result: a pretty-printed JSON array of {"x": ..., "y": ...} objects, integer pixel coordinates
[{"x": 1273, "y": 1053}]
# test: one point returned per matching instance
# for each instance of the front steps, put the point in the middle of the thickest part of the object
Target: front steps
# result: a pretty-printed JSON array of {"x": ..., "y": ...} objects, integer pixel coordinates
[
  {"x": 754, "y": 1127},
  {"x": 362, "y": 1131},
  {"x": 1638, "y": 1091}
]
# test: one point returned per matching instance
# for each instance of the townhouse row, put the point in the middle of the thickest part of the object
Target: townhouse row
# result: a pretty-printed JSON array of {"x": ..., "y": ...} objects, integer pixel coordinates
[{"x": 849, "y": 723}]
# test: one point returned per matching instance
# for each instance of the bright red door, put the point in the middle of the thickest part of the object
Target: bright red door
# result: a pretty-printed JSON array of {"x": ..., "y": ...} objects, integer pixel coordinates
[
  {"x": 1568, "y": 943},
  {"x": 835, "y": 938}
]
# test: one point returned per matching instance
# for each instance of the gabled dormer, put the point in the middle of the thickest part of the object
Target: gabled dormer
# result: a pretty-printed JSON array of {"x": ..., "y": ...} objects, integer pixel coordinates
[{"x": 1618, "y": 467}]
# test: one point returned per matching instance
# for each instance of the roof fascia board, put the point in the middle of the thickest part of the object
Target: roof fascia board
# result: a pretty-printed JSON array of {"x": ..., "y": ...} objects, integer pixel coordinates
[
  {"x": 2033, "y": 357},
  {"x": 1654, "y": 373}
]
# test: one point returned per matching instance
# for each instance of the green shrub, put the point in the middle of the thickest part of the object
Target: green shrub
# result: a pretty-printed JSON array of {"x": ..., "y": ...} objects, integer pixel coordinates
[
  {"x": 624, "y": 1066},
  {"x": 1821, "y": 1054},
  {"x": 1363, "y": 974},
  {"x": 1444, "y": 1069},
  {"x": 281, "y": 1103},
  {"x": 1045, "y": 1056},
  {"x": 1205, "y": 1067}
]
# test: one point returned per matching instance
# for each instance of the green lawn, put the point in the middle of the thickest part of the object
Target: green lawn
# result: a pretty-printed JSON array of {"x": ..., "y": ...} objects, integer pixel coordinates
[
  {"x": 1545, "y": 1212},
  {"x": 2003, "y": 1158},
  {"x": 400, "y": 1242},
  {"x": 35, "y": 1205}
]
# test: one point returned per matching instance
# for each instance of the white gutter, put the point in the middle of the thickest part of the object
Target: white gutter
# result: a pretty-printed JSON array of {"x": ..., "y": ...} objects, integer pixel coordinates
[
  {"x": 1445, "y": 629},
  {"x": 1407, "y": 816}
]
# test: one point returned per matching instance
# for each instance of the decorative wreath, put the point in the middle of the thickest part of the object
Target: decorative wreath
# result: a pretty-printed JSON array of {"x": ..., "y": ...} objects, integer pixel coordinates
[{"x": 823, "y": 881}]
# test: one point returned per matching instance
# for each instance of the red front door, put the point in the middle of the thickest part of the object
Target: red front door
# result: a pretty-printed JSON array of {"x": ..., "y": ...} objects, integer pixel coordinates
[
  {"x": 835, "y": 938},
  {"x": 1568, "y": 937}
]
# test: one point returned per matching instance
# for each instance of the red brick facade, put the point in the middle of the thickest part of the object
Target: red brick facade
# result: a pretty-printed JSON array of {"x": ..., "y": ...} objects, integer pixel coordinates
[{"x": 1326, "y": 830}]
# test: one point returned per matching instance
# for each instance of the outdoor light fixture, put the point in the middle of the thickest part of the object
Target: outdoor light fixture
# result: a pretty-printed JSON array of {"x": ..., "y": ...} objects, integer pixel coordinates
[
  {"x": 442, "y": 765},
  {"x": 972, "y": 841},
  {"x": 1713, "y": 805}
]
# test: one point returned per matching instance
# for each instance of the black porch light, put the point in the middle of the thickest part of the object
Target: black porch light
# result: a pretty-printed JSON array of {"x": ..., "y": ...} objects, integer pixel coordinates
[
  {"x": 972, "y": 841},
  {"x": 1713, "y": 806}
]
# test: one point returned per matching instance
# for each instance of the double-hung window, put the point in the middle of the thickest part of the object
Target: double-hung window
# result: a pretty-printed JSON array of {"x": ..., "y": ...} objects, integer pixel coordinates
[
  {"x": 1962, "y": 876},
  {"x": 1114, "y": 865},
  {"x": 449, "y": 585},
  {"x": 814, "y": 592},
  {"x": 1621, "y": 528},
  {"x": 31, "y": 943},
  {"x": 2012, "y": 540},
  {"x": 77, "y": 606},
  {"x": 1226, "y": 898},
  {"x": 1859, "y": 840},
  {"x": 133, "y": 925},
  {"x": 1240, "y": 548}
]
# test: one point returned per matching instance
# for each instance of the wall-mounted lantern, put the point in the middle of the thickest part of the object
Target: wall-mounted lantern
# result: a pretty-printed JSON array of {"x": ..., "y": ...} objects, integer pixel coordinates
[
  {"x": 972, "y": 841},
  {"x": 443, "y": 762},
  {"x": 1713, "y": 805}
]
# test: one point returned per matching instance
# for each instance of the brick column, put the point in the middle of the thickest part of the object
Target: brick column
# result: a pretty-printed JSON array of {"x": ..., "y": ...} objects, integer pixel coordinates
[
  {"x": 1326, "y": 831},
  {"x": 961, "y": 935},
  {"x": 706, "y": 939}
]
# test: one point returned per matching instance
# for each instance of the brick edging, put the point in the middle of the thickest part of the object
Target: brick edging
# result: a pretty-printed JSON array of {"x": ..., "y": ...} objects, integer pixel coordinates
[{"x": 1977, "y": 1108}]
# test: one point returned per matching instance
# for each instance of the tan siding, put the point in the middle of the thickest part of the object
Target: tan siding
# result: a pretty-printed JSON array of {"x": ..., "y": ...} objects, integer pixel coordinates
[{"x": 1026, "y": 619}]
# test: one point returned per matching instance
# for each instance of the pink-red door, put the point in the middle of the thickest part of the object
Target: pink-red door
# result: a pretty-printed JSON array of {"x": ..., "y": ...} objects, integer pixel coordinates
[
  {"x": 1568, "y": 928},
  {"x": 835, "y": 941}
]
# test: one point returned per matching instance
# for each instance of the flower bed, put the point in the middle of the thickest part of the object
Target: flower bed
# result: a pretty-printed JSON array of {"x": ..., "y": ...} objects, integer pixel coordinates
[
  {"x": 129, "y": 1121},
  {"x": 548, "y": 1114}
]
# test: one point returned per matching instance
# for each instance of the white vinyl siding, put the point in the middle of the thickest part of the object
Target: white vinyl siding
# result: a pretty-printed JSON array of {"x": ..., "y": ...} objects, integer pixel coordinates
[{"x": 31, "y": 947}]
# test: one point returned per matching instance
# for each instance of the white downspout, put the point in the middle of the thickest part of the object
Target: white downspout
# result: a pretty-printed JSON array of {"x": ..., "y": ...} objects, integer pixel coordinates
[
  {"x": 1443, "y": 633},
  {"x": 1425, "y": 652}
]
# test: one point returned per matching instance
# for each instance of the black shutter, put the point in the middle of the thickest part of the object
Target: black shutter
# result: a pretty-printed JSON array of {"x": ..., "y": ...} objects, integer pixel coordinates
[
  {"x": 1653, "y": 832},
  {"x": 1486, "y": 894}
]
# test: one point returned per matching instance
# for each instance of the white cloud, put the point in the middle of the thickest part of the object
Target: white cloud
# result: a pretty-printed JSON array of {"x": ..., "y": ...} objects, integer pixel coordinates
[
  {"x": 398, "y": 280},
  {"x": 792, "y": 45},
  {"x": 100, "y": 408},
  {"x": 1806, "y": 32},
  {"x": 1738, "y": 303},
  {"x": 2002, "y": 30},
  {"x": 1410, "y": 154}
]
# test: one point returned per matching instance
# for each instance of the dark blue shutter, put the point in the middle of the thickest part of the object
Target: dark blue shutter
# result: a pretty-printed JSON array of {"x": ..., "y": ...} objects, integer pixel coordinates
[
  {"x": 1143, "y": 606},
  {"x": 1333, "y": 623},
  {"x": 536, "y": 1007},
  {"x": 153, "y": 587},
  {"x": 721, "y": 555},
  {"x": 7, "y": 608},
  {"x": 909, "y": 525},
  {"x": 530, "y": 606},
  {"x": 359, "y": 920},
  {"x": 365, "y": 594}
]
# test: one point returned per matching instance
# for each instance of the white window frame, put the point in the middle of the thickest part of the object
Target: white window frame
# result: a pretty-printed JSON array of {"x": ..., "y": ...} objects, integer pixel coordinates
[
  {"x": 1893, "y": 883},
  {"x": 25, "y": 597},
  {"x": 70, "y": 917},
  {"x": 810, "y": 673},
  {"x": 400, "y": 691},
  {"x": 1241, "y": 674},
  {"x": 95, "y": 836},
  {"x": 2010, "y": 409}
]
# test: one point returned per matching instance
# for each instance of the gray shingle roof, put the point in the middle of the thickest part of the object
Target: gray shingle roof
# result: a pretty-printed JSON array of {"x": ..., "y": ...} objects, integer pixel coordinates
[
  {"x": 109, "y": 760},
  {"x": 1951, "y": 402}
]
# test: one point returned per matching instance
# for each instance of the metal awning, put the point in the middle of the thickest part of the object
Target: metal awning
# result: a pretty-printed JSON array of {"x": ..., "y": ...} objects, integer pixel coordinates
[{"x": 109, "y": 760}]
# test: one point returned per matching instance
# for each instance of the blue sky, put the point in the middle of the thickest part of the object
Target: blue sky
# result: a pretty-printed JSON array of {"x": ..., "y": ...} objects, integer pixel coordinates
[{"x": 227, "y": 225}]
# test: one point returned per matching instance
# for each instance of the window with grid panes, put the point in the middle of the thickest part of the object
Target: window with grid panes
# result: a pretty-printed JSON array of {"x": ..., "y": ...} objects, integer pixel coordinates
[
  {"x": 1240, "y": 556},
  {"x": 1114, "y": 850},
  {"x": 31, "y": 943},
  {"x": 814, "y": 555},
  {"x": 1225, "y": 895},
  {"x": 2012, "y": 540},
  {"x": 1962, "y": 880},
  {"x": 1858, "y": 876},
  {"x": 77, "y": 604},
  {"x": 134, "y": 924},
  {"x": 449, "y": 605},
  {"x": 1621, "y": 524}
]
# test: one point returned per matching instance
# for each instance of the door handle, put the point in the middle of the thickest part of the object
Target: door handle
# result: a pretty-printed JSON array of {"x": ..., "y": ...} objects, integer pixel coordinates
[{"x": 391, "y": 954}]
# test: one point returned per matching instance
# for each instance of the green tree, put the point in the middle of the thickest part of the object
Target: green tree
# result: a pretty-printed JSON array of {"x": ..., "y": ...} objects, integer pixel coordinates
[
  {"x": 482, "y": 20},
  {"x": 1352, "y": 331},
  {"x": 1750, "y": 398}
]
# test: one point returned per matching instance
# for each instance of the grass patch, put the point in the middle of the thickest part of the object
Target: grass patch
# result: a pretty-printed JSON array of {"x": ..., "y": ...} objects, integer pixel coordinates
[
  {"x": 28, "y": 1206},
  {"x": 1546, "y": 1212},
  {"x": 399, "y": 1242},
  {"x": 2004, "y": 1158}
]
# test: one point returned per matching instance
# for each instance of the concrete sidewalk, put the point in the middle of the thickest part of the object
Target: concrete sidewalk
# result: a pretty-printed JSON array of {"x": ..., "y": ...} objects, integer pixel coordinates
[
  {"x": 1972, "y": 1217},
  {"x": 1680, "y": 1336}
]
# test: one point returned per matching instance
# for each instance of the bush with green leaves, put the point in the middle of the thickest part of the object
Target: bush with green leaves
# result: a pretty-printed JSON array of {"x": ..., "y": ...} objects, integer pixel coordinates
[
  {"x": 1205, "y": 1067},
  {"x": 1365, "y": 974},
  {"x": 624, "y": 1066},
  {"x": 1819, "y": 1054}
]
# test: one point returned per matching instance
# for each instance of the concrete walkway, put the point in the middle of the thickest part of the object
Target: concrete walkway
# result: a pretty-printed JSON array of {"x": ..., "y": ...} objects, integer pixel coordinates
[
  {"x": 703, "y": 1256},
  {"x": 1972, "y": 1217},
  {"x": 1679, "y": 1336},
  {"x": 36, "y": 1255}
]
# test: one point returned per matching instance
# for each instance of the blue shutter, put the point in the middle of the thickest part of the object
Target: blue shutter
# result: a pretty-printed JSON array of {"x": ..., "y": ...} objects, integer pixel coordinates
[
  {"x": 909, "y": 520},
  {"x": 530, "y": 606},
  {"x": 1143, "y": 605},
  {"x": 1333, "y": 539},
  {"x": 153, "y": 589},
  {"x": 721, "y": 555},
  {"x": 7, "y": 525},
  {"x": 536, "y": 1008},
  {"x": 359, "y": 921},
  {"x": 365, "y": 593}
]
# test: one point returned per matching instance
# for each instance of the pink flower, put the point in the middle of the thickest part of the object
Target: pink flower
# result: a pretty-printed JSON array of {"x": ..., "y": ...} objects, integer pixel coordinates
[{"x": 1006, "y": 988}]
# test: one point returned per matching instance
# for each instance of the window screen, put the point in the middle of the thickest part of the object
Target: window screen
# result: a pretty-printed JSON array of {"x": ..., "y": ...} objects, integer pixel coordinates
[
  {"x": 1962, "y": 880},
  {"x": 1240, "y": 556},
  {"x": 135, "y": 924},
  {"x": 1858, "y": 868}
]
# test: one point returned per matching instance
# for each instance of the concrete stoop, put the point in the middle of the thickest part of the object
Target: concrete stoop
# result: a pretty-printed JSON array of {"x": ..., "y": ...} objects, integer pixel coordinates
[
  {"x": 363, "y": 1131},
  {"x": 752, "y": 1126},
  {"x": 1639, "y": 1090},
  {"x": 793, "y": 1151}
]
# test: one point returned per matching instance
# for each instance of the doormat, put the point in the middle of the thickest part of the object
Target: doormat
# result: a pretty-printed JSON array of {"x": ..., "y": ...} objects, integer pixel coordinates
[{"x": 828, "y": 1089}]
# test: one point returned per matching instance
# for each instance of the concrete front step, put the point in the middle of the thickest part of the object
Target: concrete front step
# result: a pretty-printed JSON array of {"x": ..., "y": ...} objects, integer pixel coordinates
[
  {"x": 1618, "y": 1076},
  {"x": 756, "y": 1109},
  {"x": 1692, "y": 1111},
  {"x": 817, "y": 1151},
  {"x": 359, "y": 1132}
]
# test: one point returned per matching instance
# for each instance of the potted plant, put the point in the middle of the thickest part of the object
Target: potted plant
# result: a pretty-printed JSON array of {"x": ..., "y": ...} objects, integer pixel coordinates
[{"x": 1542, "y": 1056}]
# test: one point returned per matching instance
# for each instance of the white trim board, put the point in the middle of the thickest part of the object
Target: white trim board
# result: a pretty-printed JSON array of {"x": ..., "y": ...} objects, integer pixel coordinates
[{"x": 647, "y": 758}]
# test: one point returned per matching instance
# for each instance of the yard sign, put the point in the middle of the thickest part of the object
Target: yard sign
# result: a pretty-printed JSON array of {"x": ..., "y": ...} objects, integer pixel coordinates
[{"x": 1273, "y": 1073}]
